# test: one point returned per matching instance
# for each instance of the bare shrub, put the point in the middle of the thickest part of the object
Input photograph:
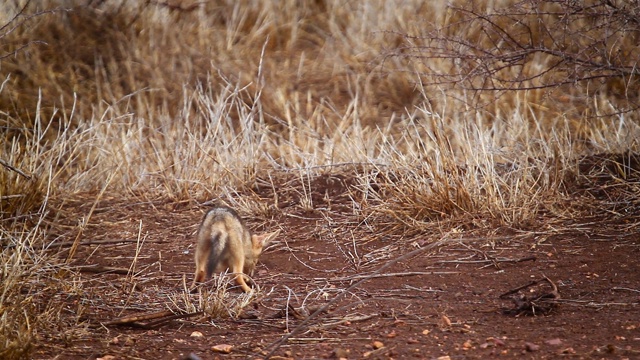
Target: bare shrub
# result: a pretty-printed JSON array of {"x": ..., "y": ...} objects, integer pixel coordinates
[{"x": 562, "y": 54}]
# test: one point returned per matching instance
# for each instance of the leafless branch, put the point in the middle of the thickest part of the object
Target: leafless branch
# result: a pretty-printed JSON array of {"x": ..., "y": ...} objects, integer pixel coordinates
[
  {"x": 531, "y": 45},
  {"x": 18, "y": 20}
]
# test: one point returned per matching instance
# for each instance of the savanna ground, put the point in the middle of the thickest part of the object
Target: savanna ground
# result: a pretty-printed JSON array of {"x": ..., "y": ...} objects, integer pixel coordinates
[{"x": 455, "y": 181}]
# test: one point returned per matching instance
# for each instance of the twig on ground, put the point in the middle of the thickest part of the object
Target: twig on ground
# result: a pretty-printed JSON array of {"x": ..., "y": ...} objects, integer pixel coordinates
[
  {"x": 625, "y": 289},
  {"x": 503, "y": 296},
  {"x": 489, "y": 260},
  {"x": 160, "y": 318},
  {"x": 402, "y": 274},
  {"x": 593, "y": 304},
  {"x": 495, "y": 262},
  {"x": 103, "y": 269},
  {"x": 109, "y": 242},
  {"x": 346, "y": 320}
]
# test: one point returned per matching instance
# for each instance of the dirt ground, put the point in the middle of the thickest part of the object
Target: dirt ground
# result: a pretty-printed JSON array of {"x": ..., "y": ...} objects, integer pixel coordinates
[{"x": 458, "y": 300}]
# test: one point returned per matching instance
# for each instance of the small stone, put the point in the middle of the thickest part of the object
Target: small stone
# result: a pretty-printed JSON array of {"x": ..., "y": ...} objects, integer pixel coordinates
[
  {"x": 498, "y": 342},
  {"x": 377, "y": 345},
  {"x": 222, "y": 348},
  {"x": 196, "y": 334},
  {"x": 554, "y": 342},
  {"x": 531, "y": 347},
  {"x": 340, "y": 353}
]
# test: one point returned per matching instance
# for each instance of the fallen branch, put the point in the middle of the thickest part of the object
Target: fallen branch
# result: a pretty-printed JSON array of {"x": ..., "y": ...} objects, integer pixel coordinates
[
  {"x": 160, "y": 318},
  {"x": 503, "y": 296},
  {"x": 346, "y": 320},
  {"x": 489, "y": 261},
  {"x": 410, "y": 273},
  {"x": 103, "y": 269},
  {"x": 625, "y": 289},
  {"x": 108, "y": 242}
]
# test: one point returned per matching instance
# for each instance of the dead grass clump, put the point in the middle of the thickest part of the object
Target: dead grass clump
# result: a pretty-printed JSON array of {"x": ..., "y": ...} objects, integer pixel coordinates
[
  {"x": 17, "y": 311},
  {"x": 606, "y": 182},
  {"x": 30, "y": 283},
  {"x": 25, "y": 167},
  {"x": 460, "y": 169},
  {"x": 214, "y": 299},
  {"x": 137, "y": 56},
  {"x": 76, "y": 47}
]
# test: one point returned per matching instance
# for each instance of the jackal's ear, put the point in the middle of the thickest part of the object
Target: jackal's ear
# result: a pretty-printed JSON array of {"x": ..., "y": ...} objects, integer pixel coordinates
[{"x": 263, "y": 239}]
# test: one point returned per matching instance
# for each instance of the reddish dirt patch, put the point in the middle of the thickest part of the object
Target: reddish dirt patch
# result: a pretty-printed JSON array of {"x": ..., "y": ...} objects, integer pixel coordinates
[{"x": 442, "y": 302}]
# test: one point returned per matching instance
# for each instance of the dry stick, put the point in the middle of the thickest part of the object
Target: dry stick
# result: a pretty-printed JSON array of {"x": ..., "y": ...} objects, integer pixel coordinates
[
  {"x": 554, "y": 292},
  {"x": 625, "y": 289},
  {"x": 518, "y": 289},
  {"x": 402, "y": 274},
  {"x": 109, "y": 242},
  {"x": 136, "y": 318},
  {"x": 348, "y": 320},
  {"x": 491, "y": 260},
  {"x": 324, "y": 308},
  {"x": 139, "y": 244},
  {"x": 131, "y": 273},
  {"x": 159, "y": 322},
  {"x": 164, "y": 316},
  {"x": 10, "y": 167},
  {"x": 104, "y": 269}
]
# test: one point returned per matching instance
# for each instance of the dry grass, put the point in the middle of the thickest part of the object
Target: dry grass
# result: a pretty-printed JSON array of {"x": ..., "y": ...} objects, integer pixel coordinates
[{"x": 187, "y": 101}]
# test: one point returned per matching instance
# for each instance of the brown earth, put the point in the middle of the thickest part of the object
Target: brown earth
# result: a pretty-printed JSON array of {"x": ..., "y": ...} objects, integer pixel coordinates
[{"x": 444, "y": 301}]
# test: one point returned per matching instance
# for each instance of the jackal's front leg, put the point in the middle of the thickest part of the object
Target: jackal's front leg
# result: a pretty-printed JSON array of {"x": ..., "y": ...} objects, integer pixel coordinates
[{"x": 240, "y": 278}]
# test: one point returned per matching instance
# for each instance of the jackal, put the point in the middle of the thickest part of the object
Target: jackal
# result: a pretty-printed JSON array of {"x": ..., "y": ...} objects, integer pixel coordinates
[{"x": 225, "y": 242}]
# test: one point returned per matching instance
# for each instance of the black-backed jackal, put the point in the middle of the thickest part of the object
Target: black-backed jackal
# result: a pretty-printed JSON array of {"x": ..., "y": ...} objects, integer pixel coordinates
[{"x": 225, "y": 243}]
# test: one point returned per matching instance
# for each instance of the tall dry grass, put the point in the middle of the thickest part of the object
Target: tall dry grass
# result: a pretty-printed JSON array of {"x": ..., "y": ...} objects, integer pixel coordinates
[{"x": 189, "y": 100}]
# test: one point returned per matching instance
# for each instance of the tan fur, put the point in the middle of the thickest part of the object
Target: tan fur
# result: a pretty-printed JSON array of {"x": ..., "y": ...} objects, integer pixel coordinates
[{"x": 225, "y": 243}]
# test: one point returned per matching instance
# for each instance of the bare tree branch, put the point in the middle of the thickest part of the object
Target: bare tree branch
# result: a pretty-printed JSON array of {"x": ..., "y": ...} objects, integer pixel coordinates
[
  {"x": 18, "y": 20},
  {"x": 531, "y": 45}
]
